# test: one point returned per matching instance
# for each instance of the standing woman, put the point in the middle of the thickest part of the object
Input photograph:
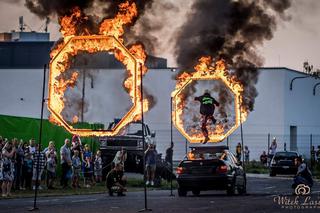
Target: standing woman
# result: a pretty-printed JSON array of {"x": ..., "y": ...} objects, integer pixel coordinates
[
  {"x": 87, "y": 166},
  {"x": 7, "y": 168}
]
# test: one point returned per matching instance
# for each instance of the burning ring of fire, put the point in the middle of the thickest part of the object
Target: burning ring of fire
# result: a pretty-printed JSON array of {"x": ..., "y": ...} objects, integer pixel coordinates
[
  {"x": 204, "y": 71},
  {"x": 94, "y": 43}
]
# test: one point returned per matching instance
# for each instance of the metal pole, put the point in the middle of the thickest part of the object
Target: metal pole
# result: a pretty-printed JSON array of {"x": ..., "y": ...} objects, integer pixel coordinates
[
  {"x": 186, "y": 147},
  {"x": 228, "y": 142},
  {"x": 35, "y": 208},
  {"x": 241, "y": 133},
  {"x": 171, "y": 136},
  {"x": 268, "y": 150},
  {"x": 299, "y": 77},
  {"x": 311, "y": 153},
  {"x": 143, "y": 143},
  {"x": 83, "y": 95}
]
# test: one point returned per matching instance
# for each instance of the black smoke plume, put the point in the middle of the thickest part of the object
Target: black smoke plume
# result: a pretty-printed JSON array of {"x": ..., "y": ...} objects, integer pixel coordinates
[
  {"x": 230, "y": 30},
  {"x": 89, "y": 22},
  {"x": 142, "y": 28}
]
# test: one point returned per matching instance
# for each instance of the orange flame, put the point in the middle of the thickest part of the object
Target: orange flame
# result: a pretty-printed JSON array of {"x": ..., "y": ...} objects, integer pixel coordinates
[
  {"x": 204, "y": 70},
  {"x": 110, "y": 40}
]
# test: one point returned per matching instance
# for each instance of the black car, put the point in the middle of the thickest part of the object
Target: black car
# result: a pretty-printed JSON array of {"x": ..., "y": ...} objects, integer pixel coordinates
[
  {"x": 283, "y": 163},
  {"x": 210, "y": 168}
]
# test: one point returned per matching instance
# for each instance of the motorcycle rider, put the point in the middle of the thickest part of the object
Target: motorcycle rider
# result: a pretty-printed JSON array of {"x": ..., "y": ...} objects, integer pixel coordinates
[{"x": 207, "y": 108}]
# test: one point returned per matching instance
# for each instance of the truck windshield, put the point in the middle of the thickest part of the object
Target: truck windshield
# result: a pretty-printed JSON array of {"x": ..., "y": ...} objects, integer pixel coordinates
[{"x": 133, "y": 129}]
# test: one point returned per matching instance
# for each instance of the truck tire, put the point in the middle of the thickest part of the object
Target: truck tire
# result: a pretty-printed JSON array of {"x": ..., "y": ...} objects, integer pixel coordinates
[
  {"x": 242, "y": 190},
  {"x": 232, "y": 188},
  {"x": 272, "y": 173},
  {"x": 196, "y": 192},
  {"x": 182, "y": 192}
]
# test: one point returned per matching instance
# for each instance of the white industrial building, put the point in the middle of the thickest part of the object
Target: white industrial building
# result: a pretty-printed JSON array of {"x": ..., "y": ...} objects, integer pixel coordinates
[{"x": 289, "y": 115}]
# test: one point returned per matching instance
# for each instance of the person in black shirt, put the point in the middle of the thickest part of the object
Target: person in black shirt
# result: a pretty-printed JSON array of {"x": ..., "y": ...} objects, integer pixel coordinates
[
  {"x": 116, "y": 181},
  {"x": 169, "y": 154},
  {"x": 207, "y": 108}
]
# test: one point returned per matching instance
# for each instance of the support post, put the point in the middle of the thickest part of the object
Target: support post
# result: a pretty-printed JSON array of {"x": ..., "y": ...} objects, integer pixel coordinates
[
  {"x": 268, "y": 150},
  {"x": 143, "y": 144},
  {"x": 35, "y": 208},
  {"x": 171, "y": 145},
  {"x": 186, "y": 147},
  {"x": 228, "y": 142},
  {"x": 83, "y": 94},
  {"x": 312, "y": 159},
  {"x": 241, "y": 133}
]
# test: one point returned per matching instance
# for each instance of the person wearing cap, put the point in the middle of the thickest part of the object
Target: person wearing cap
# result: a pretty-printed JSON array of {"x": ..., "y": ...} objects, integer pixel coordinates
[{"x": 207, "y": 107}]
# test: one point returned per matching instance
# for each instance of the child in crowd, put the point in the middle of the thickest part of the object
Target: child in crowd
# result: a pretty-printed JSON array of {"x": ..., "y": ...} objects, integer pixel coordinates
[
  {"x": 76, "y": 167},
  {"x": 98, "y": 167},
  {"x": 51, "y": 169},
  {"x": 27, "y": 170}
]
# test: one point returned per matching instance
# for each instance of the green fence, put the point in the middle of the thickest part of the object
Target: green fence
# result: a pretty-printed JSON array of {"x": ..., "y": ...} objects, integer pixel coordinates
[{"x": 27, "y": 128}]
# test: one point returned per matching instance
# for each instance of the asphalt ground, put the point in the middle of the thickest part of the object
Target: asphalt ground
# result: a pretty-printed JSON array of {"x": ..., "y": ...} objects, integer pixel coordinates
[{"x": 265, "y": 194}]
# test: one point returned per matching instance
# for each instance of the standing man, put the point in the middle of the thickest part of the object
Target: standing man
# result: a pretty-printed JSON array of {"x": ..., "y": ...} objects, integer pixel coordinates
[
  {"x": 151, "y": 163},
  {"x": 318, "y": 155},
  {"x": 238, "y": 152},
  {"x": 246, "y": 154},
  {"x": 66, "y": 163},
  {"x": 39, "y": 162},
  {"x": 207, "y": 108},
  {"x": 169, "y": 154},
  {"x": 32, "y": 147}
]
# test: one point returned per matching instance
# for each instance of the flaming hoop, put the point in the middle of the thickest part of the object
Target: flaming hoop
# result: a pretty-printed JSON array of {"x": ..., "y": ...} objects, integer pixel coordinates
[
  {"x": 206, "y": 72},
  {"x": 109, "y": 40}
]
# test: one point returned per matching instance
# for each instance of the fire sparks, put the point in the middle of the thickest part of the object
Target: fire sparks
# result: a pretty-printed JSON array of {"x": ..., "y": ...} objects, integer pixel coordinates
[
  {"x": 109, "y": 40},
  {"x": 205, "y": 70}
]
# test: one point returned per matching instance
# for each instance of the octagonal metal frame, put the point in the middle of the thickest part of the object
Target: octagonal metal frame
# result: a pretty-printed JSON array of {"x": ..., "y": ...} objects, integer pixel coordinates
[
  {"x": 63, "y": 53},
  {"x": 213, "y": 138}
]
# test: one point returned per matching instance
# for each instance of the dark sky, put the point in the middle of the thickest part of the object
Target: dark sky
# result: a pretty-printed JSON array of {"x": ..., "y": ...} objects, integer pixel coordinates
[{"x": 294, "y": 42}]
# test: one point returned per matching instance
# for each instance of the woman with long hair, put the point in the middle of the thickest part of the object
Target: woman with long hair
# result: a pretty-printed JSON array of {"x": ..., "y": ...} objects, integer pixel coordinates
[{"x": 7, "y": 168}]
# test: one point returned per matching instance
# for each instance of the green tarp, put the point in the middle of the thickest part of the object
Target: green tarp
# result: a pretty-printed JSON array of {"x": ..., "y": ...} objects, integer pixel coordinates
[{"x": 27, "y": 128}]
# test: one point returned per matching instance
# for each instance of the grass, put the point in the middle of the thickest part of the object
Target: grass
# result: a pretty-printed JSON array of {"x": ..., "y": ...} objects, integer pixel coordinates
[
  {"x": 256, "y": 167},
  {"x": 132, "y": 185}
]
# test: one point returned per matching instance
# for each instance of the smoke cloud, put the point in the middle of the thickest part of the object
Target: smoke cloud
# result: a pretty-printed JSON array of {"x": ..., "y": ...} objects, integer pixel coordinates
[
  {"x": 93, "y": 11},
  {"x": 230, "y": 30},
  {"x": 224, "y": 29}
]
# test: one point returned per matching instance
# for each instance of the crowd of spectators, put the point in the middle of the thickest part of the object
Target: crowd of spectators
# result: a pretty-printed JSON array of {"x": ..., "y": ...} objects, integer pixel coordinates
[{"x": 25, "y": 165}]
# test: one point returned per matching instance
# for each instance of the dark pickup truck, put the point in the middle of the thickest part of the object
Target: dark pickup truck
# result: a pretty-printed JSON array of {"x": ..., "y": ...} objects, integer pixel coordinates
[
  {"x": 131, "y": 139},
  {"x": 210, "y": 168}
]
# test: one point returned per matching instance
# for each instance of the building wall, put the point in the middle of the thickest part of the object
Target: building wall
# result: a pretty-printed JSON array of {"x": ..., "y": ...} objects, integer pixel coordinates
[
  {"x": 275, "y": 110},
  {"x": 302, "y": 111},
  {"x": 21, "y": 92}
]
